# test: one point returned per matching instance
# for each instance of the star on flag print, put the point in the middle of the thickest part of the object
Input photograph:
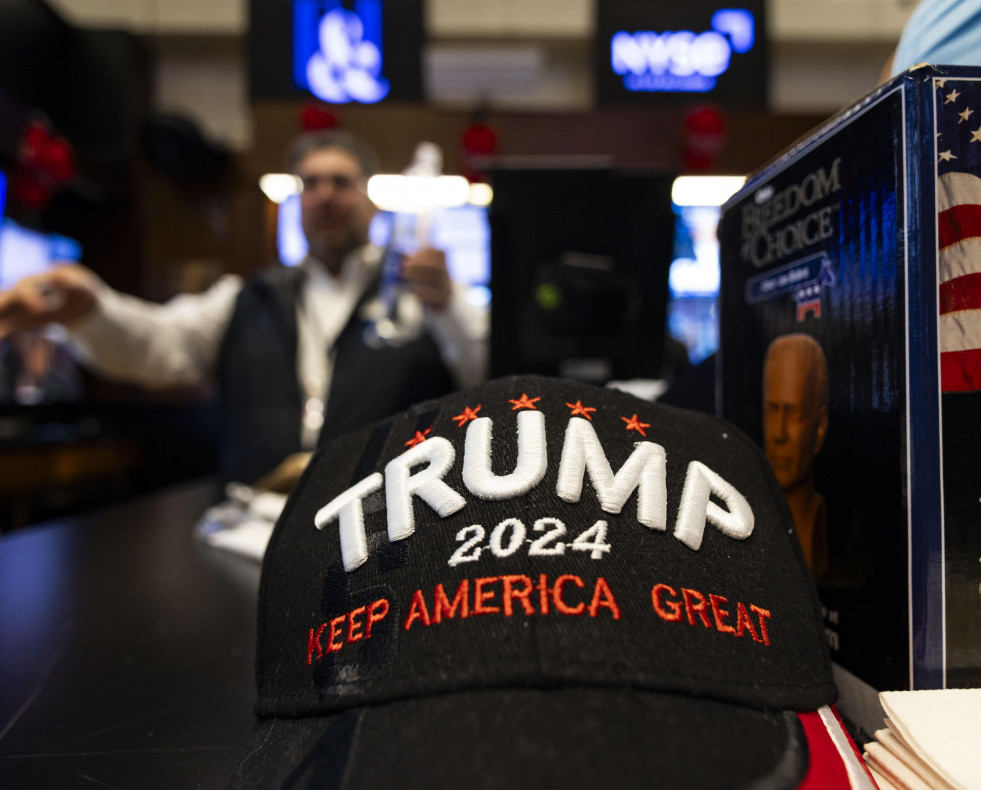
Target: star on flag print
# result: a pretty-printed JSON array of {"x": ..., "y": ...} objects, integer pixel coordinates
[{"x": 958, "y": 147}]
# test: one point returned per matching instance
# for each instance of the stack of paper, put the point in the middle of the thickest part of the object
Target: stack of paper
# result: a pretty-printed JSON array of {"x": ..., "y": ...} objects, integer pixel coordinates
[{"x": 931, "y": 741}]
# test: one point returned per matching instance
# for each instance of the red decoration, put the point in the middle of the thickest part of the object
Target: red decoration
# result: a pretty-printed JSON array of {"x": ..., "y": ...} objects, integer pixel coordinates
[
  {"x": 703, "y": 137},
  {"x": 27, "y": 189},
  {"x": 59, "y": 160},
  {"x": 524, "y": 402},
  {"x": 419, "y": 438},
  {"x": 634, "y": 424},
  {"x": 467, "y": 415},
  {"x": 45, "y": 163},
  {"x": 578, "y": 408},
  {"x": 316, "y": 118},
  {"x": 478, "y": 140}
]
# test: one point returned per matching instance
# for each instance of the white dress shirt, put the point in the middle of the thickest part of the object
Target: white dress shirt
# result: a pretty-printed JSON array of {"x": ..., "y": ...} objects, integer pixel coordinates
[{"x": 177, "y": 343}]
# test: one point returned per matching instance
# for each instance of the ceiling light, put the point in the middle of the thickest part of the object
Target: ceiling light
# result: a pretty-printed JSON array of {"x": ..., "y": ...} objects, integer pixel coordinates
[
  {"x": 414, "y": 194},
  {"x": 279, "y": 186},
  {"x": 704, "y": 190},
  {"x": 481, "y": 194}
]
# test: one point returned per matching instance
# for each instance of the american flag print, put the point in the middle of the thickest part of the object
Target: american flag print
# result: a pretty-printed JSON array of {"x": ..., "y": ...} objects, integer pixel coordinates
[{"x": 958, "y": 151}]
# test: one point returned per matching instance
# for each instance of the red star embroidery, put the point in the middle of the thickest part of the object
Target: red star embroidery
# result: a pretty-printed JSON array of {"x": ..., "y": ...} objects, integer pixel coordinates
[
  {"x": 578, "y": 408},
  {"x": 634, "y": 424},
  {"x": 419, "y": 438},
  {"x": 468, "y": 414},
  {"x": 524, "y": 402}
]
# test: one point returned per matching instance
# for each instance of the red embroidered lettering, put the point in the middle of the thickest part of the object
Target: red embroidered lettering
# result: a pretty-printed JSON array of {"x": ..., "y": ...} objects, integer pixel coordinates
[
  {"x": 374, "y": 616},
  {"x": 669, "y": 608},
  {"x": 442, "y": 604},
  {"x": 522, "y": 595},
  {"x": 557, "y": 594},
  {"x": 354, "y": 625},
  {"x": 698, "y": 607},
  {"x": 603, "y": 596},
  {"x": 518, "y": 594},
  {"x": 335, "y": 631},
  {"x": 417, "y": 611},
  {"x": 543, "y": 593},
  {"x": 764, "y": 614},
  {"x": 352, "y": 633},
  {"x": 720, "y": 614},
  {"x": 744, "y": 622},
  {"x": 479, "y": 596},
  {"x": 673, "y": 612},
  {"x": 313, "y": 644}
]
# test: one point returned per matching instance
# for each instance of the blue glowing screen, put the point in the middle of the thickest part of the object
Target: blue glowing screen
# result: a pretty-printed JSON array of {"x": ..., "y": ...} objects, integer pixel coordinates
[
  {"x": 337, "y": 52},
  {"x": 682, "y": 60}
]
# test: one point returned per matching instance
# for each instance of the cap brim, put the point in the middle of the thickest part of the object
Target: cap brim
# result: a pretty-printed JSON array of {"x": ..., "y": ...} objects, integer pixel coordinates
[{"x": 514, "y": 738}]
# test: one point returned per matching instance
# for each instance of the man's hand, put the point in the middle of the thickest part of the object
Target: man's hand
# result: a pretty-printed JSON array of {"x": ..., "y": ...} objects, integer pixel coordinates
[
  {"x": 426, "y": 275},
  {"x": 60, "y": 296}
]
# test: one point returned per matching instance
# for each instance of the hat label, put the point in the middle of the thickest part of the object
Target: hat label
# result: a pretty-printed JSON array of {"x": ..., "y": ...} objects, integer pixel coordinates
[{"x": 644, "y": 471}]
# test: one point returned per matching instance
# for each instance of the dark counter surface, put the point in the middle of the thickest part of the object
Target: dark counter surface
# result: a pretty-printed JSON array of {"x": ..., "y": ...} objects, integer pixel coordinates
[{"x": 126, "y": 649}]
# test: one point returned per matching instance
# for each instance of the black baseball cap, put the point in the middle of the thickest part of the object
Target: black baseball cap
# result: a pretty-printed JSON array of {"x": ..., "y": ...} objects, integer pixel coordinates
[{"x": 539, "y": 583}]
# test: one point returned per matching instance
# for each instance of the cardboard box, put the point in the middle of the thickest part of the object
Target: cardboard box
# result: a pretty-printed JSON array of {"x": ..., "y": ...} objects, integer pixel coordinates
[{"x": 865, "y": 239}]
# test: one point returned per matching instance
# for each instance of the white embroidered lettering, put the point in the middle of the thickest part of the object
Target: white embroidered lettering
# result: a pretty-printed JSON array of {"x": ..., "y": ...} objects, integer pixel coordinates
[
  {"x": 516, "y": 538},
  {"x": 470, "y": 550},
  {"x": 644, "y": 470},
  {"x": 548, "y": 545},
  {"x": 697, "y": 508},
  {"x": 706, "y": 498},
  {"x": 347, "y": 506},
  {"x": 508, "y": 537},
  {"x": 427, "y": 484},
  {"x": 593, "y": 540},
  {"x": 478, "y": 476}
]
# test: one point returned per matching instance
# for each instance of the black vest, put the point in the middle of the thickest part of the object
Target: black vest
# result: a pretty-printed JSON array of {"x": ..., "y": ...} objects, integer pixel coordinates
[{"x": 259, "y": 390}]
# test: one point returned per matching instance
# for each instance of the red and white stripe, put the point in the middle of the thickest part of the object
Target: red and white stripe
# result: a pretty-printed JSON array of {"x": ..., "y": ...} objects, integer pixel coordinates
[
  {"x": 959, "y": 277},
  {"x": 834, "y": 759}
]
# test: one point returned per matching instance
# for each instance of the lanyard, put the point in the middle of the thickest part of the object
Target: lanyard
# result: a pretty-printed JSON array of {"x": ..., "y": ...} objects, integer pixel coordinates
[{"x": 323, "y": 309}]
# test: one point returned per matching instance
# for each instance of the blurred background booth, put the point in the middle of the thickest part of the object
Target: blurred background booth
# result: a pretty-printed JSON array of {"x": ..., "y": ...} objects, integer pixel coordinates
[{"x": 133, "y": 137}]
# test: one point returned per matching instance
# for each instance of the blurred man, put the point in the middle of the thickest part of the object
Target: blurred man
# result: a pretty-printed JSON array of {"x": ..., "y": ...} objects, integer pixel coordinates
[
  {"x": 287, "y": 346},
  {"x": 795, "y": 422},
  {"x": 941, "y": 32}
]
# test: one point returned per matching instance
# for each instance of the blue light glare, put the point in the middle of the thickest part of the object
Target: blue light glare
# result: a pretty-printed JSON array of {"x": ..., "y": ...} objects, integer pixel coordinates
[
  {"x": 37, "y": 591},
  {"x": 25, "y": 252},
  {"x": 337, "y": 53},
  {"x": 461, "y": 232},
  {"x": 682, "y": 60},
  {"x": 693, "y": 281},
  {"x": 738, "y": 25}
]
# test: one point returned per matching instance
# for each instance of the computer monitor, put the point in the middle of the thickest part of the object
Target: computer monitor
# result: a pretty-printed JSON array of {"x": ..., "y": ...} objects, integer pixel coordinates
[
  {"x": 462, "y": 232},
  {"x": 24, "y": 251},
  {"x": 579, "y": 271},
  {"x": 35, "y": 367}
]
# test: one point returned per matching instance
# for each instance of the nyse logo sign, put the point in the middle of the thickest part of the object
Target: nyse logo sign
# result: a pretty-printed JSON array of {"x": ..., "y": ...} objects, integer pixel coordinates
[
  {"x": 338, "y": 51},
  {"x": 682, "y": 60}
]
